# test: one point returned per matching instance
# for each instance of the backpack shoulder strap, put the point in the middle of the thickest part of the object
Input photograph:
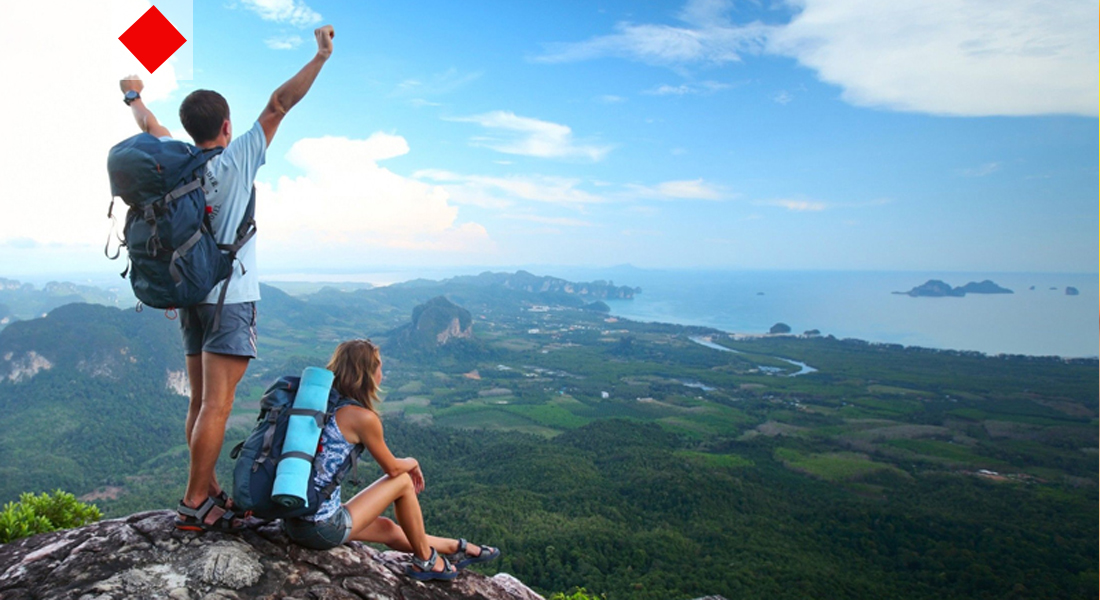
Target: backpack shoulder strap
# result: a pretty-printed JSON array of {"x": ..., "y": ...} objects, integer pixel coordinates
[{"x": 246, "y": 230}]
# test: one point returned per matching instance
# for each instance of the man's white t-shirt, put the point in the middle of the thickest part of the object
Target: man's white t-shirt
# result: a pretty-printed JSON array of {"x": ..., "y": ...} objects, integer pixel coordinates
[{"x": 228, "y": 187}]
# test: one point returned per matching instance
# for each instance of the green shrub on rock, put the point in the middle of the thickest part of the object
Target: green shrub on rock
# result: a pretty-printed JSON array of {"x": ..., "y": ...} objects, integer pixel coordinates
[{"x": 35, "y": 514}]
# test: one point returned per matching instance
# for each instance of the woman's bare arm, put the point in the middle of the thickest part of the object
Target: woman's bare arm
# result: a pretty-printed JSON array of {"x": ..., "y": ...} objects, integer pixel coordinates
[{"x": 361, "y": 426}]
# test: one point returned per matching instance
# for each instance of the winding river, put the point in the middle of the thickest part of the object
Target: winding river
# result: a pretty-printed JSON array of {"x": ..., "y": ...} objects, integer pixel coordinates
[{"x": 803, "y": 368}]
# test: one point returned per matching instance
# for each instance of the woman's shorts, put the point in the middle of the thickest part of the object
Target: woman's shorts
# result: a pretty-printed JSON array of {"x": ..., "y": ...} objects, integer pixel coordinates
[{"x": 320, "y": 535}]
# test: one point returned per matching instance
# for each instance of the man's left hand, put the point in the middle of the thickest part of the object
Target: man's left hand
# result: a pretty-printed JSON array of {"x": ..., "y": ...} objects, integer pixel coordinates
[{"x": 131, "y": 82}]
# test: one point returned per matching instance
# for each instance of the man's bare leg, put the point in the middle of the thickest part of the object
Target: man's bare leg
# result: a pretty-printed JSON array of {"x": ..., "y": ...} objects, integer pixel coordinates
[
  {"x": 220, "y": 375},
  {"x": 194, "y": 378}
]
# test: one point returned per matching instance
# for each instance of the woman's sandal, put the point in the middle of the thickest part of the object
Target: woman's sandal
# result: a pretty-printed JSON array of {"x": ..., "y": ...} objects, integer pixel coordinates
[
  {"x": 199, "y": 519},
  {"x": 486, "y": 554},
  {"x": 422, "y": 570}
]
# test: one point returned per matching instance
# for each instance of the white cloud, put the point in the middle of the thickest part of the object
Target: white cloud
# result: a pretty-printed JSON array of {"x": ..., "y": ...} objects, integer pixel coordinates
[
  {"x": 502, "y": 192},
  {"x": 703, "y": 87},
  {"x": 532, "y": 137},
  {"x": 988, "y": 168},
  {"x": 946, "y": 57},
  {"x": 283, "y": 42},
  {"x": 712, "y": 42},
  {"x": 783, "y": 97},
  {"x": 345, "y": 202},
  {"x": 610, "y": 99},
  {"x": 952, "y": 57},
  {"x": 437, "y": 84},
  {"x": 797, "y": 205},
  {"x": 420, "y": 103},
  {"x": 77, "y": 98},
  {"x": 158, "y": 85},
  {"x": 802, "y": 204},
  {"x": 691, "y": 189},
  {"x": 291, "y": 12},
  {"x": 563, "y": 221}
]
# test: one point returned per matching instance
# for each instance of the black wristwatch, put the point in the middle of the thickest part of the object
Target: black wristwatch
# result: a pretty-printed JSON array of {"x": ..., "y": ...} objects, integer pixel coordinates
[{"x": 130, "y": 97}]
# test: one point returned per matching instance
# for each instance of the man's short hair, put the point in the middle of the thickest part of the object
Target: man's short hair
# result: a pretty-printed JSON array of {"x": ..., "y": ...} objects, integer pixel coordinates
[{"x": 202, "y": 114}]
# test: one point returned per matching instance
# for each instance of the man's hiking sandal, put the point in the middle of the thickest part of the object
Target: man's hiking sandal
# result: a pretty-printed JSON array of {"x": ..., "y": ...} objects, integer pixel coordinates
[
  {"x": 201, "y": 519},
  {"x": 487, "y": 554},
  {"x": 421, "y": 570}
]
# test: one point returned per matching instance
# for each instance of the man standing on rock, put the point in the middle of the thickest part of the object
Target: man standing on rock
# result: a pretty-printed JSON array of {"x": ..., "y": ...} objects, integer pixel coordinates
[{"x": 217, "y": 356}]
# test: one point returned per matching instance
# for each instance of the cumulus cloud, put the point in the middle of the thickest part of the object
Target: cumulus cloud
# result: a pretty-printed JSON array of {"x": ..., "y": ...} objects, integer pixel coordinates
[
  {"x": 346, "y": 201},
  {"x": 951, "y": 57},
  {"x": 75, "y": 77},
  {"x": 503, "y": 192},
  {"x": 691, "y": 189},
  {"x": 532, "y": 137},
  {"x": 946, "y": 57},
  {"x": 283, "y": 42},
  {"x": 291, "y": 12},
  {"x": 158, "y": 85}
]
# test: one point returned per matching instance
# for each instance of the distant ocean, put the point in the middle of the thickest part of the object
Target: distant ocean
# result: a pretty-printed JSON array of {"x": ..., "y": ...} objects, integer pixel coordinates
[
  {"x": 846, "y": 304},
  {"x": 1043, "y": 321}
]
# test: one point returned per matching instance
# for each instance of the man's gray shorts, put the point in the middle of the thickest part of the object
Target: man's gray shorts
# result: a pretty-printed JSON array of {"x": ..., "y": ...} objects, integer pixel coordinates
[{"x": 236, "y": 336}]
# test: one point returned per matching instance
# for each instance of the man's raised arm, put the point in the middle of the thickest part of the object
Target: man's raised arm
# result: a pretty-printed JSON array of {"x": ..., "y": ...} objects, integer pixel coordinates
[
  {"x": 144, "y": 117},
  {"x": 288, "y": 94}
]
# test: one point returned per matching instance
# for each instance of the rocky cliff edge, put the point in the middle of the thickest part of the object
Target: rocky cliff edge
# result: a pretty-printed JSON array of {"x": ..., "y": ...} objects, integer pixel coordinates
[{"x": 144, "y": 557}]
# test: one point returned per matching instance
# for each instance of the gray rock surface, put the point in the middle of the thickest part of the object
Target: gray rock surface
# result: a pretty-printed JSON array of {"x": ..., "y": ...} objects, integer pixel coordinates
[{"x": 144, "y": 557}]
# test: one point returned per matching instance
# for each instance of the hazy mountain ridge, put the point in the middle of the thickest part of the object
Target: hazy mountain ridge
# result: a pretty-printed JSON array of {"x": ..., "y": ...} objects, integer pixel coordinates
[
  {"x": 529, "y": 282},
  {"x": 86, "y": 393},
  {"x": 24, "y": 301}
]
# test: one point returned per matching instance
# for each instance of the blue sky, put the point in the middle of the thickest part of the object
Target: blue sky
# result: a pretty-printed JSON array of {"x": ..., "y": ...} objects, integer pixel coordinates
[{"x": 812, "y": 134}]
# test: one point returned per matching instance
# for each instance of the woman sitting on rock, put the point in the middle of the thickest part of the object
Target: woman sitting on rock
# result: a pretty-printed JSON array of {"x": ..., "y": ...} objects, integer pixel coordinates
[{"x": 357, "y": 365}]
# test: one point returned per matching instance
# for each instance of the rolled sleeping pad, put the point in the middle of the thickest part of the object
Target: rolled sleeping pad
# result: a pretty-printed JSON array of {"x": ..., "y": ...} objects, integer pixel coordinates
[{"x": 300, "y": 444}]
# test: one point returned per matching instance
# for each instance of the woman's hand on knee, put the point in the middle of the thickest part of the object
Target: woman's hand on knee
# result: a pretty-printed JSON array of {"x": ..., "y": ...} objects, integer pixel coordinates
[{"x": 417, "y": 477}]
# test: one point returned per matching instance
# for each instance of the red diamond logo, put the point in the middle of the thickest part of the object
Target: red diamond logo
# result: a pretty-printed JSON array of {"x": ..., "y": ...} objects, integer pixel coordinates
[{"x": 152, "y": 39}]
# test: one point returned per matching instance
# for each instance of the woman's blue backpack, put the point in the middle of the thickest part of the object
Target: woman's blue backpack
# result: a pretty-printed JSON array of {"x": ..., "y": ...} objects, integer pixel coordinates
[
  {"x": 258, "y": 456},
  {"x": 174, "y": 258}
]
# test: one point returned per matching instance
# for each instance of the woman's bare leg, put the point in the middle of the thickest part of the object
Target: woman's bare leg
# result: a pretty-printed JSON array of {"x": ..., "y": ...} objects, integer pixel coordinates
[
  {"x": 385, "y": 531},
  {"x": 367, "y": 506}
]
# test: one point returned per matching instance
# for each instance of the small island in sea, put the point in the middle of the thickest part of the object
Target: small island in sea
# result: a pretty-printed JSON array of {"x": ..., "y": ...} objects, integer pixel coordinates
[{"x": 934, "y": 288}]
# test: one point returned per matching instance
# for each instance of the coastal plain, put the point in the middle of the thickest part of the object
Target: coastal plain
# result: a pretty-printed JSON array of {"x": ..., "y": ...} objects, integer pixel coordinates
[{"x": 639, "y": 460}]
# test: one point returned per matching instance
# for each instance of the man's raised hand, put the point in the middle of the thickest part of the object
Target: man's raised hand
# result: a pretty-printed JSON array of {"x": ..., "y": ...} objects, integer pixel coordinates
[
  {"x": 288, "y": 94},
  {"x": 131, "y": 82},
  {"x": 324, "y": 37}
]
